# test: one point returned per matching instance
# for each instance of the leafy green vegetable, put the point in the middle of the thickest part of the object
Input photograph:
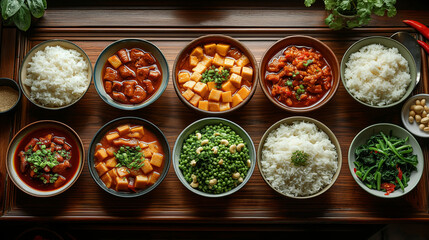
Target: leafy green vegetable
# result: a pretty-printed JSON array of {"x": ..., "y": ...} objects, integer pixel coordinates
[
  {"x": 361, "y": 10},
  {"x": 130, "y": 157},
  {"x": 300, "y": 158},
  {"x": 20, "y": 11},
  {"x": 212, "y": 74},
  {"x": 385, "y": 160}
]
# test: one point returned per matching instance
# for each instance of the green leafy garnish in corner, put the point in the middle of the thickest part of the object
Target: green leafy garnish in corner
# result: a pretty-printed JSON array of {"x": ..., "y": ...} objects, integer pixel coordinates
[
  {"x": 299, "y": 158},
  {"x": 20, "y": 12}
]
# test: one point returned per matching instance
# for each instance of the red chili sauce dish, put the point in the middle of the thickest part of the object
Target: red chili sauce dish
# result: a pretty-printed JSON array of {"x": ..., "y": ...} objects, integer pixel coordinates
[
  {"x": 129, "y": 158},
  {"x": 131, "y": 76},
  {"x": 298, "y": 76},
  {"x": 47, "y": 159}
]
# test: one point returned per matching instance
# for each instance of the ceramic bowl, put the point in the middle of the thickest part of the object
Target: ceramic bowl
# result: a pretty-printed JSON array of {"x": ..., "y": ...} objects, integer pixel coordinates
[
  {"x": 130, "y": 43},
  {"x": 387, "y": 42},
  {"x": 40, "y": 47},
  {"x": 365, "y": 134},
  {"x": 148, "y": 126},
  {"x": 199, "y": 124},
  {"x": 11, "y": 83},
  {"x": 214, "y": 39},
  {"x": 16, "y": 145},
  {"x": 304, "y": 41},
  {"x": 322, "y": 127},
  {"x": 405, "y": 114}
]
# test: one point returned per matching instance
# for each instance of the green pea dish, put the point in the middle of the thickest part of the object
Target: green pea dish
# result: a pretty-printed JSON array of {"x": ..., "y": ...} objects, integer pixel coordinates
[{"x": 214, "y": 157}]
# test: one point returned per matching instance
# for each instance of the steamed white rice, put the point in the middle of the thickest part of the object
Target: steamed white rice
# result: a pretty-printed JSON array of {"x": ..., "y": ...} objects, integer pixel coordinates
[
  {"x": 377, "y": 75},
  {"x": 57, "y": 76},
  {"x": 292, "y": 180}
]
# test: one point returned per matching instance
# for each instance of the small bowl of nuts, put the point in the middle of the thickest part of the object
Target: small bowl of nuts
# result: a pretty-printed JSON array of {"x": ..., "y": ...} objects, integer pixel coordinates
[{"x": 415, "y": 115}]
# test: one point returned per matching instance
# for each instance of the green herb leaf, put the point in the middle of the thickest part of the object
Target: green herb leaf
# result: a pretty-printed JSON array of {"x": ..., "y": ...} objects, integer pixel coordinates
[
  {"x": 22, "y": 18},
  {"x": 10, "y": 7},
  {"x": 37, "y": 7}
]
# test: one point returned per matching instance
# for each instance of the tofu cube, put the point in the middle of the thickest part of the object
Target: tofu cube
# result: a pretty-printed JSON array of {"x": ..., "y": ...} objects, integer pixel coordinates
[
  {"x": 138, "y": 129},
  {"x": 123, "y": 172},
  {"x": 218, "y": 60},
  {"x": 215, "y": 95},
  {"x": 188, "y": 94},
  {"x": 226, "y": 97},
  {"x": 229, "y": 63},
  {"x": 195, "y": 99},
  {"x": 101, "y": 154},
  {"x": 211, "y": 85},
  {"x": 235, "y": 69},
  {"x": 143, "y": 145},
  {"x": 121, "y": 184},
  {"x": 210, "y": 49},
  {"x": 235, "y": 79},
  {"x": 154, "y": 147},
  {"x": 157, "y": 159},
  {"x": 198, "y": 52},
  {"x": 222, "y": 49},
  {"x": 153, "y": 177},
  {"x": 228, "y": 86},
  {"x": 147, "y": 153},
  {"x": 183, "y": 77},
  {"x": 111, "y": 162},
  {"x": 112, "y": 136},
  {"x": 114, "y": 61},
  {"x": 247, "y": 73},
  {"x": 207, "y": 61},
  {"x": 203, "y": 105},
  {"x": 113, "y": 173},
  {"x": 243, "y": 92},
  {"x": 201, "y": 88},
  {"x": 193, "y": 61},
  {"x": 123, "y": 129},
  {"x": 141, "y": 181},
  {"x": 243, "y": 61},
  {"x": 223, "y": 106},
  {"x": 189, "y": 84},
  {"x": 236, "y": 99},
  {"x": 107, "y": 179},
  {"x": 110, "y": 151},
  {"x": 200, "y": 68},
  {"x": 147, "y": 167},
  {"x": 214, "y": 106},
  {"x": 196, "y": 77},
  {"x": 101, "y": 168}
]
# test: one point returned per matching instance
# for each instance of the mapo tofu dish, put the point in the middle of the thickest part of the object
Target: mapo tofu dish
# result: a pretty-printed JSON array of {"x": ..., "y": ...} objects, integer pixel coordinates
[
  {"x": 129, "y": 158},
  {"x": 131, "y": 76},
  {"x": 215, "y": 77},
  {"x": 298, "y": 76},
  {"x": 47, "y": 159}
]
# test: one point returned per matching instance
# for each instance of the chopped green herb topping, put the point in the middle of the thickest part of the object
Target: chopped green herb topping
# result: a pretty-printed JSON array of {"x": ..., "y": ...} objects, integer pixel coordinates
[
  {"x": 212, "y": 74},
  {"x": 299, "y": 158},
  {"x": 130, "y": 157}
]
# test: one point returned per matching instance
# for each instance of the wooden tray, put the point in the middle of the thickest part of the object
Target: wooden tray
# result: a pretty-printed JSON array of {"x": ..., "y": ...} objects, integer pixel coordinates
[{"x": 171, "y": 203}]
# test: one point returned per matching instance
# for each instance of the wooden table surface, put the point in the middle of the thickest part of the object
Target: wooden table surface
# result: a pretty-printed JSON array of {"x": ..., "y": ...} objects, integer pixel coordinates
[{"x": 171, "y": 206}]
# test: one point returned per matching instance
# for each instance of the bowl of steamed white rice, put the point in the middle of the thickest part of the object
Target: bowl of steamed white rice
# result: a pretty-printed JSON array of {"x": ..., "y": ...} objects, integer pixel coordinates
[
  {"x": 299, "y": 157},
  {"x": 55, "y": 74},
  {"x": 378, "y": 72}
]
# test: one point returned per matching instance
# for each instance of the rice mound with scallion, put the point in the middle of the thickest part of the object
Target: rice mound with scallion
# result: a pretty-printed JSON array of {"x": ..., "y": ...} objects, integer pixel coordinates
[
  {"x": 302, "y": 180},
  {"x": 57, "y": 76}
]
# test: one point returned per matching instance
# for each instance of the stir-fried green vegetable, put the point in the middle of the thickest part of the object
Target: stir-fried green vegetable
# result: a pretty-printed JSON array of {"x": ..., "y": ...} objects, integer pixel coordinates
[{"x": 385, "y": 162}]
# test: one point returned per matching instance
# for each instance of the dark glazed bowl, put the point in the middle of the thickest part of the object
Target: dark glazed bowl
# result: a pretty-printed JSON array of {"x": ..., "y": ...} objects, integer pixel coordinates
[
  {"x": 113, "y": 124},
  {"x": 213, "y": 39},
  {"x": 11, "y": 83},
  {"x": 130, "y": 43},
  {"x": 303, "y": 41}
]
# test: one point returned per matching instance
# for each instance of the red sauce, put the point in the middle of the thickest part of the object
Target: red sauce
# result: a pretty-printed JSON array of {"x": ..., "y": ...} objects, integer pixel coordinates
[
  {"x": 68, "y": 173},
  {"x": 131, "y": 76},
  {"x": 298, "y": 76}
]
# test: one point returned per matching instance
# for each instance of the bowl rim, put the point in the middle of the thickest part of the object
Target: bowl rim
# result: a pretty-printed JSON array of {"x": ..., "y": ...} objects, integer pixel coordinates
[
  {"x": 252, "y": 150},
  {"x": 17, "y": 88},
  {"x": 79, "y": 143},
  {"x": 238, "y": 44},
  {"x": 21, "y": 78},
  {"x": 350, "y": 163},
  {"x": 404, "y": 112},
  {"x": 321, "y": 126},
  {"x": 97, "y": 179},
  {"x": 412, "y": 63},
  {"x": 158, "y": 93},
  {"x": 327, "y": 98}
]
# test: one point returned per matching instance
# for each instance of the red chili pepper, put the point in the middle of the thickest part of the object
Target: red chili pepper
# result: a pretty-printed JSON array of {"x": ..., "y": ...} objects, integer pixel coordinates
[
  {"x": 389, "y": 187},
  {"x": 419, "y": 27},
  {"x": 399, "y": 173},
  {"x": 424, "y": 45}
]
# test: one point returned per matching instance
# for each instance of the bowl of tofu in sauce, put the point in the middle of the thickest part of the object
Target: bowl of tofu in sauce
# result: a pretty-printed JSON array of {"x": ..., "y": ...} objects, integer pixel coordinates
[
  {"x": 215, "y": 74},
  {"x": 131, "y": 74}
]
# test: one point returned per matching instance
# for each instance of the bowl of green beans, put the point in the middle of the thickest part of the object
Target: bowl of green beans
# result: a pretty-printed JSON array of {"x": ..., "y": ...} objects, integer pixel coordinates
[
  {"x": 386, "y": 160},
  {"x": 214, "y": 157}
]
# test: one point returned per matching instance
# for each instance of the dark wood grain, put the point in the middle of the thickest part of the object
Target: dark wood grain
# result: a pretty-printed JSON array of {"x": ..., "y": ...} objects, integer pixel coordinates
[{"x": 171, "y": 202}]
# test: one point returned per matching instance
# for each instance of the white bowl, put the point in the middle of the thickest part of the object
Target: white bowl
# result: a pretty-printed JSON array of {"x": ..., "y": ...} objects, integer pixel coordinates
[{"x": 413, "y": 127}]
